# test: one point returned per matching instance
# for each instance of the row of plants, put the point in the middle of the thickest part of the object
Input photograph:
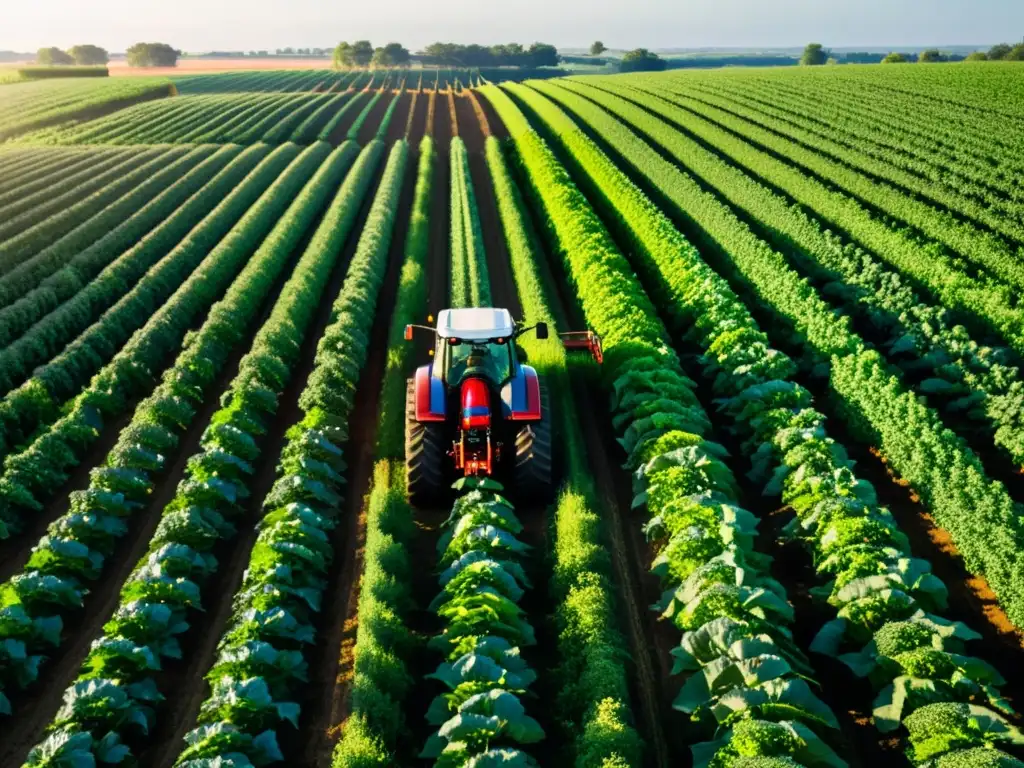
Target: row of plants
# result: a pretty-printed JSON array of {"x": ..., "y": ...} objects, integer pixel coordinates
[
  {"x": 364, "y": 115},
  {"x": 307, "y": 131},
  {"x": 37, "y": 401},
  {"x": 480, "y": 718},
  {"x": 33, "y": 473},
  {"x": 470, "y": 283},
  {"x": 385, "y": 121},
  {"x": 36, "y": 184},
  {"x": 981, "y": 517},
  {"x": 33, "y": 105},
  {"x": 590, "y": 677},
  {"x": 266, "y": 81},
  {"x": 952, "y": 140},
  {"x": 39, "y": 165},
  {"x": 380, "y": 677},
  {"x": 26, "y": 235},
  {"x": 748, "y": 681},
  {"x": 114, "y": 700},
  {"x": 989, "y": 305},
  {"x": 332, "y": 125},
  {"x": 941, "y": 200},
  {"x": 31, "y": 210},
  {"x": 251, "y": 698},
  {"x": 972, "y": 382},
  {"x": 64, "y": 304},
  {"x": 136, "y": 213},
  {"x": 884, "y": 598},
  {"x": 902, "y": 161}
]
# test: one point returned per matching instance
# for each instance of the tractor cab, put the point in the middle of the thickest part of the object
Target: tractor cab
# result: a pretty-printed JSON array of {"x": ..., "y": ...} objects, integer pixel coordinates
[
  {"x": 476, "y": 410},
  {"x": 476, "y": 343}
]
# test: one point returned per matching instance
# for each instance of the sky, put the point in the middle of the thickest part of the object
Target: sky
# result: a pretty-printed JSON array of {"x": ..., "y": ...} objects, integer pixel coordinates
[{"x": 203, "y": 25}]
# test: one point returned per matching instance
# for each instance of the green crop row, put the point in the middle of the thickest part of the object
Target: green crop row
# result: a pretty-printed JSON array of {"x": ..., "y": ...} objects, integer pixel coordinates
[
  {"x": 480, "y": 718},
  {"x": 308, "y": 129},
  {"x": 353, "y": 132},
  {"x": 44, "y": 282},
  {"x": 590, "y": 677},
  {"x": 26, "y": 235},
  {"x": 991, "y": 306},
  {"x": 470, "y": 283},
  {"x": 251, "y": 697},
  {"x": 974, "y": 381},
  {"x": 35, "y": 183},
  {"x": 335, "y": 121},
  {"x": 117, "y": 676},
  {"x": 380, "y": 679},
  {"x": 883, "y": 595},
  {"x": 983, "y": 520},
  {"x": 717, "y": 587},
  {"x": 205, "y": 268}
]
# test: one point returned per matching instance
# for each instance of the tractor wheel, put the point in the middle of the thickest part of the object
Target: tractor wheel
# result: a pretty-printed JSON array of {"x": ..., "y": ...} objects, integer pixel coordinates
[
  {"x": 424, "y": 456},
  {"x": 533, "y": 474}
]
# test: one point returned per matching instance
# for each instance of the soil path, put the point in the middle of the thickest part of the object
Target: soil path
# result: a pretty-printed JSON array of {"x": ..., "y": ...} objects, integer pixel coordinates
[{"x": 368, "y": 130}]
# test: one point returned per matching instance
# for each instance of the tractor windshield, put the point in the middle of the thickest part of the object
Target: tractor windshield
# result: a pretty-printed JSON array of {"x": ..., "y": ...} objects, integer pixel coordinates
[{"x": 480, "y": 358}]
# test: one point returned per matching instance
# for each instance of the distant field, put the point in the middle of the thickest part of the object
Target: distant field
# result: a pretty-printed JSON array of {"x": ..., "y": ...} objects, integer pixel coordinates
[
  {"x": 120, "y": 68},
  {"x": 802, "y": 449}
]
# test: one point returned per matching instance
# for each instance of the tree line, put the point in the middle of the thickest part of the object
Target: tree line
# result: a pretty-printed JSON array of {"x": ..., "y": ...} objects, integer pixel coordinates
[
  {"x": 138, "y": 55},
  {"x": 816, "y": 54},
  {"x": 362, "y": 53}
]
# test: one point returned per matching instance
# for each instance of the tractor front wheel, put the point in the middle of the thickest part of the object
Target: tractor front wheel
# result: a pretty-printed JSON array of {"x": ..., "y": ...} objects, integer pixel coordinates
[
  {"x": 533, "y": 474},
  {"x": 424, "y": 456}
]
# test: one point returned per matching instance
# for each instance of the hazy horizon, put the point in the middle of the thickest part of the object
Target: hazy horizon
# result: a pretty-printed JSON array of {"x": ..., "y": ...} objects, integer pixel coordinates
[{"x": 234, "y": 25}]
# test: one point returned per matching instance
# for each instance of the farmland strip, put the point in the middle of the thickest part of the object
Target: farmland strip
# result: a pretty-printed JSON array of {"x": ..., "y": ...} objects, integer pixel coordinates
[
  {"x": 661, "y": 422},
  {"x": 291, "y": 553},
  {"x": 470, "y": 283},
  {"x": 95, "y": 280},
  {"x": 39, "y": 468},
  {"x": 178, "y": 544},
  {"x": 37, "y": 228},
  {"x": 961, "y": 368},
  {"x": 839, "y": 513}
]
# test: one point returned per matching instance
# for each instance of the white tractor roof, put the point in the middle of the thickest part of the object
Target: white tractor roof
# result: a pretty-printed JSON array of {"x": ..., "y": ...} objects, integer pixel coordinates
[{"x": 475, "y": 323}]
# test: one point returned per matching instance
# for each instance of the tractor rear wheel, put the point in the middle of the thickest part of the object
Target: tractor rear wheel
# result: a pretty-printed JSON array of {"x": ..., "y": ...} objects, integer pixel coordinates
[
  {"x": 424, "y": 455},
  {"x": 533, "y": 474}
]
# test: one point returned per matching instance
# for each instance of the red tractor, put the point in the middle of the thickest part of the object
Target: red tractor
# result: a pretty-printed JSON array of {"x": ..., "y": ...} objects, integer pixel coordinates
[{"x": 477, "y": 411}]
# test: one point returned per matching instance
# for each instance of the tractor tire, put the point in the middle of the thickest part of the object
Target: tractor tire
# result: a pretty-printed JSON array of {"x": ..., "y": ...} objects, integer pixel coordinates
[
  {"x": 533, "y": 474},
  {"x": 424, "y": 456}
]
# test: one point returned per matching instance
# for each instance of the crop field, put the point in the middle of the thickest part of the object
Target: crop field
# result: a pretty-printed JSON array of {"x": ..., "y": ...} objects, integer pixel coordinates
[{"x": 788, "y": 521}]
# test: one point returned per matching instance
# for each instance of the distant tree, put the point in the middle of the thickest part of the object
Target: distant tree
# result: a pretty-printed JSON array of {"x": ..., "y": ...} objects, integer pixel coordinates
[
  {"x": 977, "y": 56},
  {"x": 543, "y": 55},
  {"x": 362, "y": 52},
  {"x": 152, "y": 55},
  {"x": 344, "y": 55},
  {"x": 815, "y": 54},
  {"x": 597, "y": 48},
  {"x": 398, "y": 55},
  {"x": 1016, "y": 53},
  {"x": 89, "y": 55},
  {"x": 53, "y": 57},
  {"x": 998, "y": 52},
  {"x": 832, "y": 60},
  {"x": 895, "y": 58},
  {"x": 930, "y": 56},
  {"x": 641, "y": 60}
]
